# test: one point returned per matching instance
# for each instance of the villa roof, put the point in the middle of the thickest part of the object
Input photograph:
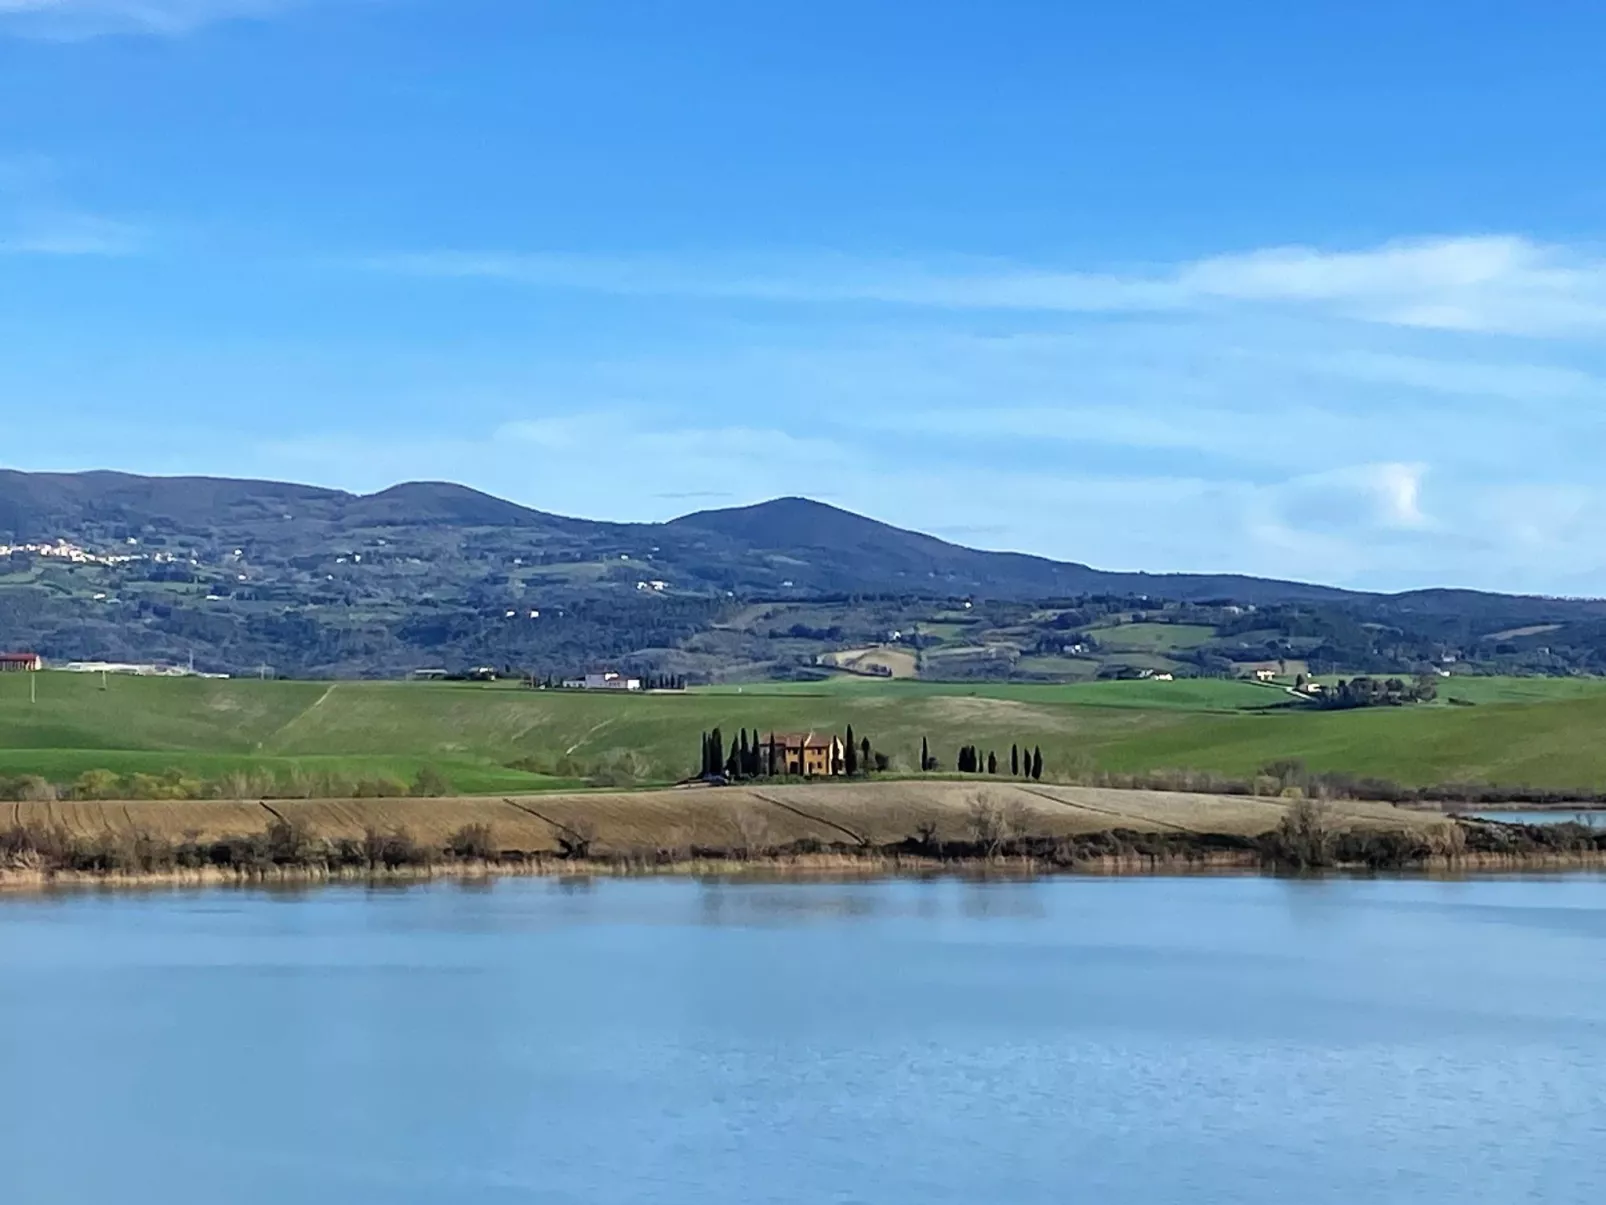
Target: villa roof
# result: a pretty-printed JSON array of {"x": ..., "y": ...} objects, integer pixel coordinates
[{"x": 801, "y": 740}]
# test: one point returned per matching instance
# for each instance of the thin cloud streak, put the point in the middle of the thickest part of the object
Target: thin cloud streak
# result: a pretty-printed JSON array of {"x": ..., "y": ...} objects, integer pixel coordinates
[
  {"x": 1495, "y": 284},
  {"x": 71, "y": 20}
]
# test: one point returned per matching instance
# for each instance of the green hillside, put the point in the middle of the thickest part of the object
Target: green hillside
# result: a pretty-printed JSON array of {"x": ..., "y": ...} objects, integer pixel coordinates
[{"x": 490, "y": 738}]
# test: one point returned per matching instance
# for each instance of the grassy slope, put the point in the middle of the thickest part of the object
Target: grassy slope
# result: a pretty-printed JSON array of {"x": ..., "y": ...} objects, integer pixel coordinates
[
  {"x": 473, "y": 731},
  {"x": 1552, "y": 743},
  {"x": 1152, "y": 637},
  {"x": 1186, "y": 694},
  {"x": 210, "y": 728}
]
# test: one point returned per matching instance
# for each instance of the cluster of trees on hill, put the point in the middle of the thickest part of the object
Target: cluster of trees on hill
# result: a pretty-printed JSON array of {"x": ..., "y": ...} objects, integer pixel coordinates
[
  {"x": 755, "y": 756},
  {"x": 1023, "y": 763},
  {"x": 1378, "y": 692},
  {"x": 751, "y": 755}
]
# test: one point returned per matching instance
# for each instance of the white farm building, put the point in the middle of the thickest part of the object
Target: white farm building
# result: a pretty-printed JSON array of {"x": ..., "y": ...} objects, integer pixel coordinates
[{"x": 605, "y": 680}]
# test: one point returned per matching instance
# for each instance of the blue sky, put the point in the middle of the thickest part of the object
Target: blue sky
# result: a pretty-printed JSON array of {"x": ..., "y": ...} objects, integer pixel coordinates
[{"x": 1315, "y": 293}]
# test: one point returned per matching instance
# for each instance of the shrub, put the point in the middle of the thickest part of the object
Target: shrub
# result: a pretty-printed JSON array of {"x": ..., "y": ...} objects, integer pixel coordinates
[
  {"x": 1303, "y": 839},
  {"x": 473, "y": 841},
  {"x": 431, "y": 782},
  {"x": 393, "y": 849},
  {"x": 291, "y": 843},
  {"x": 993, "y": 825},
  {"x": 96, "y": 784},
  {"x": 378, "y": 787},
  {"x": 575, "y": 839},
  {"x": 27, "y": 787},
  {"x": 624, "y": 768}
]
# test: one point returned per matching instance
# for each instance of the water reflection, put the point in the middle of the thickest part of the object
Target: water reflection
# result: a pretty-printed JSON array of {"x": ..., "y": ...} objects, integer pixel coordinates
[
  {"x": 1588, "y": 817},
  {"x": 1134, "y": 1040}
]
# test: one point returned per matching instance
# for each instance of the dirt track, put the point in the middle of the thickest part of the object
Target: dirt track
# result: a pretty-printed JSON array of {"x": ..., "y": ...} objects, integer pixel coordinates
[{"x": 861, "y": 813}]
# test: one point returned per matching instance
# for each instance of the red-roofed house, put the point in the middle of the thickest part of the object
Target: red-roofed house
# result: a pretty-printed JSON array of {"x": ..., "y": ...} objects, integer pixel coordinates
[
  {"x": 11, "y": 663},
  {"x": 806, "y": 754}
]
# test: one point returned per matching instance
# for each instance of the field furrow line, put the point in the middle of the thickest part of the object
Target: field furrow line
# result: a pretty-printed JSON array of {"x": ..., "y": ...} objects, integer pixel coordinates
[
  {"x": 1088, "y": 807},
  {"x": 529, "y": 811},
  {"x": 809, "y": 816}
]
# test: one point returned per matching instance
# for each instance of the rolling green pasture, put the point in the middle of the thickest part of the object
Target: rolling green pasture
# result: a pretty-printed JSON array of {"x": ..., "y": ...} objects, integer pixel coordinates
[
  {"x": 1152, "y": 637},
  {"x": 1521, "y": 732},
  {"x": 1188, "y": 694}
]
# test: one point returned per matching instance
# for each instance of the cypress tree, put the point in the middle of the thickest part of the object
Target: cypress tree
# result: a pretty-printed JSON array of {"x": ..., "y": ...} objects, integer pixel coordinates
[
  {"x": 1014, "y": 761},
  {"x": 703, "y": 771},
  {"x": 772, "y": 754},
  {"x": 864, "y": 754},
  {"x": 925, "y": 755},
  {"x": 716, "y": 751},
  {"x": 851, "y": 752},
  {"x": 739, "y": 754},
  {"x": 992, "y": 763},
  {"x": 1037, "y": 763}
]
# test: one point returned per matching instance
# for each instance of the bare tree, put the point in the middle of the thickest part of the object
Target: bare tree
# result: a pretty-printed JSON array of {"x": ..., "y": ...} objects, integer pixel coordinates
[
  {"x": 752, "y": 832},
  {"x": 991, "y": 823}
]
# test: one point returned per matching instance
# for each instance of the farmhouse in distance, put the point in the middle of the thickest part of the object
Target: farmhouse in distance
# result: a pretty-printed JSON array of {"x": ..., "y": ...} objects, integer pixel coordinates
[
  {"x": 808, "y": 754},
  {"x": 603, "y": 680}
]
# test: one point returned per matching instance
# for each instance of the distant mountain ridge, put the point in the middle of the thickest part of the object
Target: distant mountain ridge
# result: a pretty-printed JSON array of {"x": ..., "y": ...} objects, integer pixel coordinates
[
  {"x": 319, "y": 582},
  {"x": 809, "y": 545}
]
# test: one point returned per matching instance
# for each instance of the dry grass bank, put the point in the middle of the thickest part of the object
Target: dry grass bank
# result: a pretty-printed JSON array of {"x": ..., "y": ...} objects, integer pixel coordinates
[
  {"x": 875, "y": 814},
  {"x": 860, "y": 829}
]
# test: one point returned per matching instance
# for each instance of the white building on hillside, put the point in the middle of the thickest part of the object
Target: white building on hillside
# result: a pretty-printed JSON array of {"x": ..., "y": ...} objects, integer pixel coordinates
[{"x": 605, "y": 680}]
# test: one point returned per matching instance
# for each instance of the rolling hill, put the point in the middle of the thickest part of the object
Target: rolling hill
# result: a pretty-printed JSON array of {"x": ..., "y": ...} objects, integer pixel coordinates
[
  {"x": 314, "y": 581},
  {"x": 814, "y": 546}
]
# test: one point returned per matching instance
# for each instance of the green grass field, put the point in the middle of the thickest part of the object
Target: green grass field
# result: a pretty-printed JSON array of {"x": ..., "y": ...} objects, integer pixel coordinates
[
  {"x": 1187, "y": 694},
  {"x": 1152, "y": 637},
  {"x": 1521, "y": 732}
]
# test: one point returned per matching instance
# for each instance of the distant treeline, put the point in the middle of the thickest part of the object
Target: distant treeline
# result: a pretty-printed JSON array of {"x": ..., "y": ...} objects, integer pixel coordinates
[{"x": 1377, "y": 692}]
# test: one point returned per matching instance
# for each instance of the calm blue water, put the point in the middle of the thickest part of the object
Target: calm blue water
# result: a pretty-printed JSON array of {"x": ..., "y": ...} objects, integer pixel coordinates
[
  {"x": 1137, "y": 1040},
  {"x": 1592, "y": 818}
]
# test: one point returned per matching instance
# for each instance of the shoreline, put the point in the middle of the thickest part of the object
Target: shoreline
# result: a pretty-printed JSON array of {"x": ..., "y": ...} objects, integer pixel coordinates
[
  {"x": 884, "y": 829},
  {"x": 837, "y": 866}
]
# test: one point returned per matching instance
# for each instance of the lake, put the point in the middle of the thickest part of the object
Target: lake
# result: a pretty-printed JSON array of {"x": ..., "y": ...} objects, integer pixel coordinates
[
  {"x": 1588, "y": 817},
  {"x": 1105, "y": 1040}
]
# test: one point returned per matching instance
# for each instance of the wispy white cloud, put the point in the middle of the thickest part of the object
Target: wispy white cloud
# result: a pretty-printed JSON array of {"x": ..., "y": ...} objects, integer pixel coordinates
[
  {"x": 1248, "y": 423},
  {"x": 71, "y": 19},
  {"x": 1491, "y": 284}
]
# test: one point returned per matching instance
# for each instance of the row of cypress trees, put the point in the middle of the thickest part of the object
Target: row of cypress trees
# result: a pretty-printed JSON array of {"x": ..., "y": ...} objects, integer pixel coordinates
[
  {"x": 753, "y": 757},
  {"x": 1023, "y": 763},
  {"x": 749, "y": 756}
]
